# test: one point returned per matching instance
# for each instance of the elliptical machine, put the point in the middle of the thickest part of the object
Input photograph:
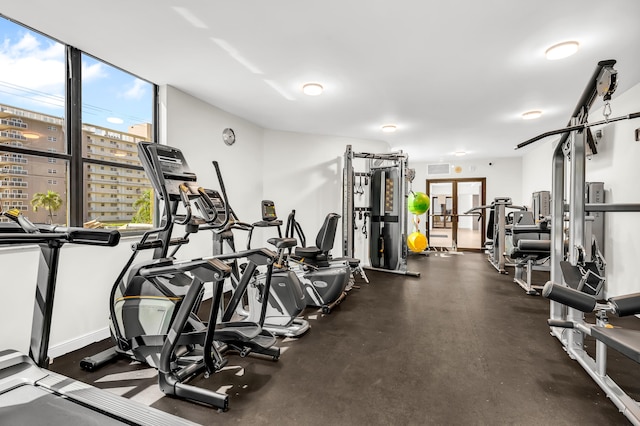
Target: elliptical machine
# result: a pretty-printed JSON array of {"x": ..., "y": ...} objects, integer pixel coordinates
[{"x": 153, "y": 311}]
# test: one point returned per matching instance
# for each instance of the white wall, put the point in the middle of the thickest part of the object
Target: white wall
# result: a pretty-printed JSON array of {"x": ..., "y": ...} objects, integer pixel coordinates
[
  {"x": 536, "y": 169},
  {"x": 195, "y": 127},
  {"x": 18, "y": 285},
  {"x": 304, "y": 172},
  {"x": 503, "y": 178},
  {"x": 616, "y": 165}
]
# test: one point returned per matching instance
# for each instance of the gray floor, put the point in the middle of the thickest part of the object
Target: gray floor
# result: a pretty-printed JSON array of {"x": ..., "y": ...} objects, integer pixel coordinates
[{"x": 459, "y": 345}]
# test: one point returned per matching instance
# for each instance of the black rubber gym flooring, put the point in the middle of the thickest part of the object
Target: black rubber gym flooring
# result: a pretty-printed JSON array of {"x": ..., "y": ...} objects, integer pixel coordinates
[{"x": 461, "y": 345}]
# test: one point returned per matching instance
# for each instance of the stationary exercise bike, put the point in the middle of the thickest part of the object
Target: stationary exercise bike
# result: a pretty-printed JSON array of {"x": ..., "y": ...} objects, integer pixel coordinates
[
  {"x": 153, "y": 310},
  {"x": 325, "y": 280},
  {"x": 286, "y": 297}
]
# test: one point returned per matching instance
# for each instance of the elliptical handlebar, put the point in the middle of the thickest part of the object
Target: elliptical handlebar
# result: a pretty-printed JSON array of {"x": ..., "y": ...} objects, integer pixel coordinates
[
  {"x": 227, "y": 214},
  {"x": 242, "y": 226},
  {"x": 184, "y": 197}
]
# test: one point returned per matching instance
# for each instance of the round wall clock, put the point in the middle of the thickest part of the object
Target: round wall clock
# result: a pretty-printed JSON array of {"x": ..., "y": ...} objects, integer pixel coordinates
[{"x": 228, "y": 136}]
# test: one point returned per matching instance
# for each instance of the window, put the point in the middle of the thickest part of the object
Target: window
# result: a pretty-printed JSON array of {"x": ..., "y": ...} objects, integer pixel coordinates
[{"x": 38, "y": 115}]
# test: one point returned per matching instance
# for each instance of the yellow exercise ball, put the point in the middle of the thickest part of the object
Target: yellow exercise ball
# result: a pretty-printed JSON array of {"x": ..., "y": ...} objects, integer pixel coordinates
[{"x": 417, "y": 242}]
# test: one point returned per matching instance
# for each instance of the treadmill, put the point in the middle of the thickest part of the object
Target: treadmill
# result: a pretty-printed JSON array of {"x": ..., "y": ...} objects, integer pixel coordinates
[{"x": 29, "y": 393}]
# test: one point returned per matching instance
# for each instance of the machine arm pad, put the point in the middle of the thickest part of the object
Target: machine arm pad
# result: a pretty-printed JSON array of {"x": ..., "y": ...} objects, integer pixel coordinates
[
  {"x": 628, "y": 304},
  {"x": 570, "y": 297}
]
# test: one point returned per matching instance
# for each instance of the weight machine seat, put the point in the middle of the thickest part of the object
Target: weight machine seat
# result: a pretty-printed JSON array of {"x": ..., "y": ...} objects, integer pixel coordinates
[
  {"x": 281, "y": 243},
  {"x": 623, "y": 340},
  {"x": 324, "y": 240}
]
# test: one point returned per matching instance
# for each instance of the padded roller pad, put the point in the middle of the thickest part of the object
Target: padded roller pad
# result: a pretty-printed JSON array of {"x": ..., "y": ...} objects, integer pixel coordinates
[
  {"x": 525, "y": 248},
  {"x": 568, "y": 296},
  {"x": 535, "y": 245},
  {"x": 623, "y": 340},
  {"x": 628, "y": 304}
]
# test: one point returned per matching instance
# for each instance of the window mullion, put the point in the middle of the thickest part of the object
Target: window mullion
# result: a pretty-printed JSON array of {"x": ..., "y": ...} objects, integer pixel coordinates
[{"x": 74, "y": 135}]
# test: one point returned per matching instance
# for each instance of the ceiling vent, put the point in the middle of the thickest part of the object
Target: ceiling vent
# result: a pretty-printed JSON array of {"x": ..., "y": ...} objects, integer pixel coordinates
[{"x": 438, "y": 169}]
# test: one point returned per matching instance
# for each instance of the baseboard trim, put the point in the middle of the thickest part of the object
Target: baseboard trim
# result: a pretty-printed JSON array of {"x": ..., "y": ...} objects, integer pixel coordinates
[{"x": 79, "y": 342}]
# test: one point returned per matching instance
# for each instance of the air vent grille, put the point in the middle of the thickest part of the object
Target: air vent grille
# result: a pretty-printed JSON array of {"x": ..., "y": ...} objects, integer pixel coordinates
[{"x": 438, "y": 169}]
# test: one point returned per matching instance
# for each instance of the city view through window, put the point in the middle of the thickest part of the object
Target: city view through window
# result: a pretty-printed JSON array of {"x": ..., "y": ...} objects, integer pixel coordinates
[{"x": 116, "y": 114}]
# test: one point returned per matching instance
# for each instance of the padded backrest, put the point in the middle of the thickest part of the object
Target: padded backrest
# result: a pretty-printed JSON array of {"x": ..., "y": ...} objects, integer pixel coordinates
[
  {"x": 327, "y": 234},
  {"x": 523, "y": 217}
]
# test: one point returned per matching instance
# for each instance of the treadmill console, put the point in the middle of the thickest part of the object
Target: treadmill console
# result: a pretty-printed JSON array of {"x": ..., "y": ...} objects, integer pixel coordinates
[{"x": 173, "y": 166}]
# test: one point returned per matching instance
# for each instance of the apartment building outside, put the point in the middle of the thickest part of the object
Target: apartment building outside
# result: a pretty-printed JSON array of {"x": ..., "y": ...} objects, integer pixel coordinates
[{"x": 109, "y": 191}]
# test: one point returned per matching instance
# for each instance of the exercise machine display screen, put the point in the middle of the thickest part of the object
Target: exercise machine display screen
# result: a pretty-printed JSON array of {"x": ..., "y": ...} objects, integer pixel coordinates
[{"x": 268, "y": 210}]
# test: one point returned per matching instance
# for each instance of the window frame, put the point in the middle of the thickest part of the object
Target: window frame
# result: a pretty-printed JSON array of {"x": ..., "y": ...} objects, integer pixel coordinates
[{"x": 73, "y": 131}]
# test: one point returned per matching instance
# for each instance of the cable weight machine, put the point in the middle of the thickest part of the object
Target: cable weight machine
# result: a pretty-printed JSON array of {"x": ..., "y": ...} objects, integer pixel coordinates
[
  {"x": 385, "y": 209},
  {"x": 567, "y": 289}
]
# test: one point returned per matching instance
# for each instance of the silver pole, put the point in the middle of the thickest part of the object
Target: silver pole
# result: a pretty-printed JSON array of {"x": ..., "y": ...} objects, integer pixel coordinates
[
  {"x": 575, "y": 338},
  {"x": 347, "y": 204},
  {"x": 557, "y": 311}
]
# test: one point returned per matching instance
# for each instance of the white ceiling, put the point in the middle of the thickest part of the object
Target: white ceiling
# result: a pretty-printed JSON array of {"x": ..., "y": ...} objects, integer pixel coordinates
[{"x": 453, "y": 75}]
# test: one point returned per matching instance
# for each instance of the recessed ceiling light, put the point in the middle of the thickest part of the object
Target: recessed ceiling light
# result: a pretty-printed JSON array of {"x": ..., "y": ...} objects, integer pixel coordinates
[
  {"x": 312, "y": 89},
  {"x": 459, "y": 153},
  {"x": 389, "y": 128},
  {"x": 531, "y": 115},
  {"x": 562, "y": 50}
]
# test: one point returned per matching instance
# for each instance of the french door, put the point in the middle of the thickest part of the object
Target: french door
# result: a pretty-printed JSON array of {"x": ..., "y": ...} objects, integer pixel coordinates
[{"x": 448, "y": 226}]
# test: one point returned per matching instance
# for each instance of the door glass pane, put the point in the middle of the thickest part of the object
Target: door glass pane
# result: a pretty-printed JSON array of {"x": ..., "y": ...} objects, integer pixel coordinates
[
  {"x": 440, "y": 219},
  {"x": 469, "y": 227}
]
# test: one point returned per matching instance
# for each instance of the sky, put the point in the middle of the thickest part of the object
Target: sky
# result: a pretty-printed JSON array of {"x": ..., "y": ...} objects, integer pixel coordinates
[{"x": 32, "y": 76}]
